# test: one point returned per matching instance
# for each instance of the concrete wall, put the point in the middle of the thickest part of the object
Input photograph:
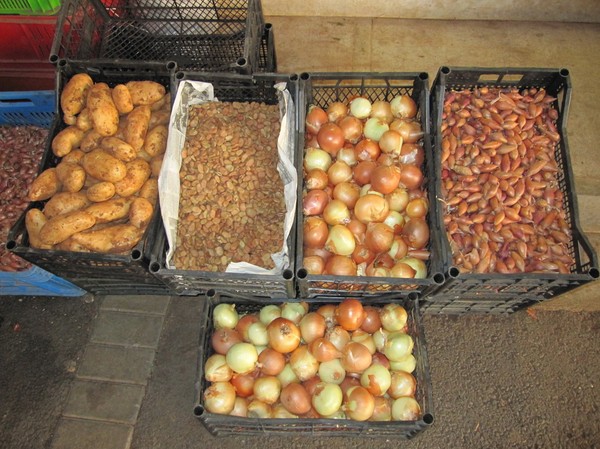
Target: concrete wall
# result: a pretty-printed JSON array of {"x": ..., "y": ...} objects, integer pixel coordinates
[{"x": 522, "y": 10}]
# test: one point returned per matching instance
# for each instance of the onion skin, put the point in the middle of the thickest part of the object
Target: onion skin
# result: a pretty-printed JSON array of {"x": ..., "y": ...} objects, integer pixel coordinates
[
  {"x": 416, "y": 233},
  {"x": 315, "y": 118},
  {"x": 340, "y": 266},
  {"x": 330, "y": 138},
  {"x": 314, "y": 202},
  {"x": 284, "y": 335},
  {"x": 219, "y": 398},
  {"x": 295, "y": 399},
  {"x": 386, "y": 178},
  {"x": 371, "y": 208}
]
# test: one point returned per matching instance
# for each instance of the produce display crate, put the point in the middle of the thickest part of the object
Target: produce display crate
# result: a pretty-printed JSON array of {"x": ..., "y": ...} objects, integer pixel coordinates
[
  {"x": 505, "y": 293},
  {"x": 27, "y": 108},
  {"x": 36, "y": 282},
  {"x": 229, "y": 87},
  {"x": 24, "y": 51},
  {"x": 29, "y": 7},
  {"x": 100, "y": 274},
  {"x": 267, "y": 57},
  {"x": 199, "y": 35},
  {"x": 321, "y": 89},
  {"x": 223, "y": 425}
]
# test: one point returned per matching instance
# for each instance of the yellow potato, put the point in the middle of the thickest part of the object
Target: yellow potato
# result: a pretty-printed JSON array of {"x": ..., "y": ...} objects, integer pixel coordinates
[
  {"x": 101, "y": 191},
  {"x": 104, "y": 167},
  {"x": 65, "y": 202},
  {"x": 140, "y": 212},
  {"x": 143, "y": 155},
  {"x": 156, "y": 165},
  {"x": 156, "y": 140},
  {"x": 91, "y": 141},
  {"x": 73, "y": 96},
  {"x": 44, "y": 186},
  {"x": 74, "y": 156},
  {"x": 122, "y": 99},
  {"x": 84, "y": 120},
  {"x": 112, "y": 239},
  {"x": 61, "y": 227},
  {"x": 34, "y": 221},
  {"x": 71, "y": 245},
  {"x": 161, "y": 117},
  {"x": 71, "y": 176},
  {"x": 138, "y": 171},
  {"x": 118, "y": 148},
  {"x": 90, "y": 181},
  {"x": 136, "y": 126},
  {"x": 103, "y": 112},
  {"x": 145, "y": 92},
  {"x": 110, "y": 210},
  {"x": 150, "y": 190},
  {"x": 160, "y": 104},
  {"x": 67, "y": 140}
]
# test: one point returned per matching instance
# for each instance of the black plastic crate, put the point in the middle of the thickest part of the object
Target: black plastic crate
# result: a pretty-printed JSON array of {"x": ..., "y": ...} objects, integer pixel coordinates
[
  {"x": 244, "y": 88},
  {"x": 321, "y": 89},
  {"x": 102, "y": 274},
  {"x": 223, "y": 425},
  {"x": 493, "y": 292},
  {"x": 267, "y": 57},
  {"x": 197, "y": 34}
]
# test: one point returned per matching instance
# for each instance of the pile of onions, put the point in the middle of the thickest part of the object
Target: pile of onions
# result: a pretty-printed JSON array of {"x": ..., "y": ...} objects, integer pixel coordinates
[
  {"x": 343, "y": 361},
  {"x": 364, "y": 203}
]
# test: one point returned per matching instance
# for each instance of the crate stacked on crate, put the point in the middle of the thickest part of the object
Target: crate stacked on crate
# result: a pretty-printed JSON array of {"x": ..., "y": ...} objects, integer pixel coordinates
[
  {"x": 321, "y": 90},
  {"x": 507, "y": 208},
  {"x": 117, "y": 265},
  {"x": 24, "y": 119},
  {"x": 199, "y": 35},
  {"x": 199, "y": 272},
  {"x": 271, "y": 415}
]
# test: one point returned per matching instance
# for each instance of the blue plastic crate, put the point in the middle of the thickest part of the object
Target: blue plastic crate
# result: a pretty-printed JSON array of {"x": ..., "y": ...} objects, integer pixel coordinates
[
  {"x": 36, "y": 282},
  {"x": 34, "y": 108}
]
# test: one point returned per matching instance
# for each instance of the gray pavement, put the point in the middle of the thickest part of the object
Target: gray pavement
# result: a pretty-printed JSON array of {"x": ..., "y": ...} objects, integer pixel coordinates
[{"x": 124, "y": 376}]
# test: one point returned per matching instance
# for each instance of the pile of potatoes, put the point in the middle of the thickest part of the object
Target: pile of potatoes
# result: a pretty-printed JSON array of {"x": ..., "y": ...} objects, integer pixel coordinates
[{"x": 102, "y": 194}]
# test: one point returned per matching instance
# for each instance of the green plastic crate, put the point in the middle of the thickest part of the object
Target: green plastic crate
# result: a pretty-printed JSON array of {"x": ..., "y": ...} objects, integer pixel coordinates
[{"x": 29, "y": 7}]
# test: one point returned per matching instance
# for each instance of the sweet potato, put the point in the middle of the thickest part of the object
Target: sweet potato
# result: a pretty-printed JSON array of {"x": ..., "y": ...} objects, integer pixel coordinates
[
  {"x": 74, "y": 94},
  {"x": 61, "y": 227},
  {"x": 65, "y": 202},
  {"x": 34, "y": 221},
  {"x": 140, "y": 212},
  {"x": 156, "y": 140},
  {"x": 104, "y": 167},
  {"x": 138, "y": 171},
  {"x": 71, "y": 176},
  {"x": 104, "y": 113},
  {"x": 136, "y": 126},
  {"x": 118, "y": 148},
  {"x": 112, "y": 239},
  {"x": 67, "y": 140},
  {"x": 110, "y": 210},
  {"x": 44, "y": 186},
  {"x": 101, "y": 191},
  {"x": 122, "y": 99},
  {"x": 145, "y": 92}
]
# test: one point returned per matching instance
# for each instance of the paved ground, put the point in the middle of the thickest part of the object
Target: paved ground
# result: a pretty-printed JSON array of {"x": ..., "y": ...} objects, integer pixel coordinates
[{"x": 119, "y": 373}]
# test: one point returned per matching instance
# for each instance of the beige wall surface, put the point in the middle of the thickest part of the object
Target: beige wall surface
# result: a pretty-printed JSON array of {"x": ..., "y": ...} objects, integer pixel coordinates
[{"x": 530, "y": 10}]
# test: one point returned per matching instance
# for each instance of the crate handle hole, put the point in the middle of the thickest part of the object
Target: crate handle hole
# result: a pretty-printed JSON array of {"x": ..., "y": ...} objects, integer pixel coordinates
[
  {"x": 136, "y": 254},
  {"x": 423, "y": 76},
  {"x": 428, "y": 419},
  {"x": 302, "y": 273},
  {"x": 453, "y": 272},
  {"x": 268, "y": 26},
  {"x": 10, "y": 245},
  {"x": 304, "y": 76},
  {"x": 445, "y": 70},
  {"x": 413, "y": 296},
  {"x": 198, "y": 410},
  {"x": 171, "y": 65},
  {"x": 288, "y": 274},
  {"x": 154, "y": 267},
  {"x": 242, "y": 62},
  {"x": 211, "y": 293},
  {"x": 594, "y": 273},
  {"x": 294, "y": 77},
  {"x": 179, "y": 75},
  {"x": 564, "y": 73},
  {"x": 53, "y": 59},
  {"x": 438, "y": 278}
]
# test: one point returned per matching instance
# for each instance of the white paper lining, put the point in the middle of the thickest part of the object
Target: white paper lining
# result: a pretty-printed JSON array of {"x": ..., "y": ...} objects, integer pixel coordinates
[{"x": 192, "y": 93}]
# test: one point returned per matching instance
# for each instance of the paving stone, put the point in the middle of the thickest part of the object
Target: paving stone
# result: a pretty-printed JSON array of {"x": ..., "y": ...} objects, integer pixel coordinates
[
  {"x": 124, "y": 328},
  {"x": 116, "y": 363},
  {"x": 140, "y": 303},
  {"x": 104, "y": 401},
  {"x": 79, "y": 433}
]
